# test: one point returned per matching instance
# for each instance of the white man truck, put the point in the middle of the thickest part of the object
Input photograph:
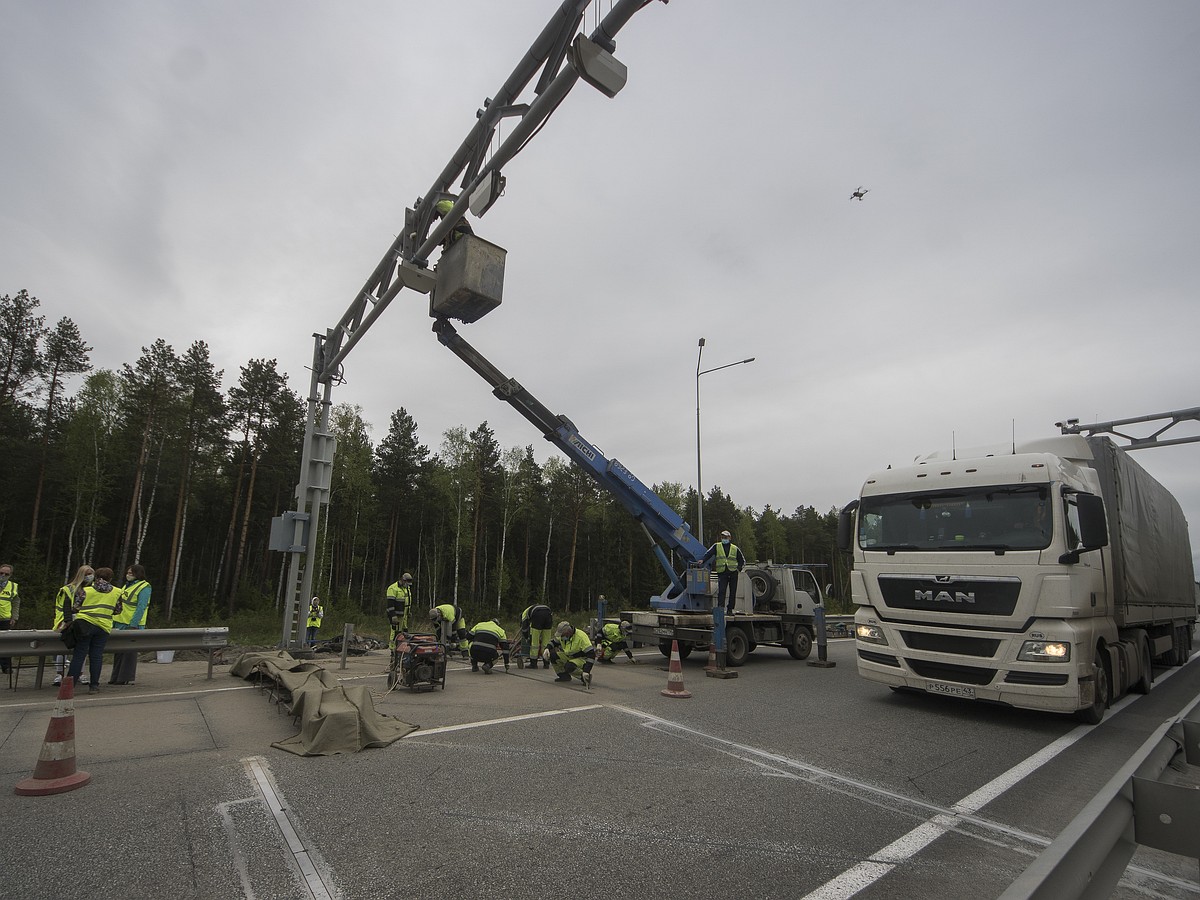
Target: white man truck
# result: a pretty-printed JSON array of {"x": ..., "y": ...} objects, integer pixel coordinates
[{"x": 1049, "y": 575}]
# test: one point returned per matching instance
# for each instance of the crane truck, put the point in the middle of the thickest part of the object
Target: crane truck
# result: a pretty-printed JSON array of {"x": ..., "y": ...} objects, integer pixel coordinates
[
  {"x": 1048, "y": 575},
  {"x": 775, "y": 602}
]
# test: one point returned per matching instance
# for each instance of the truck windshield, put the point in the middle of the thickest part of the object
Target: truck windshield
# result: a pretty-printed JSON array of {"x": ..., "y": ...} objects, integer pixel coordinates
[{"x": 1002, "y": 517}]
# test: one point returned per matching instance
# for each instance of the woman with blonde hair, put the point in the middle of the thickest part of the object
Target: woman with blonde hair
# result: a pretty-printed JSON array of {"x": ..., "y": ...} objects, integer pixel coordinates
[{"x": 63, "y": 602}]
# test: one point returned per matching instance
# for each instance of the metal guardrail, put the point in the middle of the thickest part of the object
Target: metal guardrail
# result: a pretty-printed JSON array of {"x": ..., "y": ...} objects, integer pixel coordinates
[
  {"x": 1091, "y": 854},
  {"x": 48, "y": 643}
]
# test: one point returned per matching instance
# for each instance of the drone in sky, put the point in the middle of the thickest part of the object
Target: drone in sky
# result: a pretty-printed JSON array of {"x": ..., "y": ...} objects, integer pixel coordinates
[{"x": 859, "y": 194}]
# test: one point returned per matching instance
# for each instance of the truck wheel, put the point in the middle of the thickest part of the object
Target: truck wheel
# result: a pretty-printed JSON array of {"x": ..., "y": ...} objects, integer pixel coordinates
[
  {"x": 664, "y": 647},
  {"x": 685, "y": 650},
  {"x": 737, "y": 647},
  {"x": 801, "y": 643},
  {"x": 1094, "y": 713},
  {"x": 1142, "y": 685}
]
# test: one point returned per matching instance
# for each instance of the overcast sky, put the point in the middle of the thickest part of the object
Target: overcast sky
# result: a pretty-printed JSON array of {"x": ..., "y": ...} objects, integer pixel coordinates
[{"x": 1027, "y": 250}]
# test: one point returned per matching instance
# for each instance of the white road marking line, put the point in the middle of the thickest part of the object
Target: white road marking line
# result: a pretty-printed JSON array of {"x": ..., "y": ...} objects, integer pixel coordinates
[
  {"x": 305, "y": 857},
  {"x": 538, "y": 715},
  {"x": 239, "y": 858},
  {"x": 884, "y": 861}
]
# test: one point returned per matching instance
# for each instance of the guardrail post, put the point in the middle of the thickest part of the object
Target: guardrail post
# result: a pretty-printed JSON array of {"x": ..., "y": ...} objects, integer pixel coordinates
[
  {"x": 347, "y": 633},
  {"x": 822, "y": 660}
]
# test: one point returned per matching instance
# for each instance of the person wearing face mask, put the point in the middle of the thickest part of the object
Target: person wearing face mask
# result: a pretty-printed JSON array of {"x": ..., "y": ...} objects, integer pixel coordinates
[
  {"x": 64, "y": 602},
  {"x": 91, "y": 619},
  {"x": 727, "y": 561},
  {"x": 10, "y": 608},
  {"x": 131, "y": 613}
]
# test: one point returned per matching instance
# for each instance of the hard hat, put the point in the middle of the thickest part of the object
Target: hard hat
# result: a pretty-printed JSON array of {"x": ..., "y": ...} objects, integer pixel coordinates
[
  {"x": 435, "y": 614},
  {"x": 626, "y": 627},
  {"x": 725, "y": 534},
  {"x": 442, "y": 207},
  {"x": 564, "y": 629},
  {"x": 406, "y": 577},
  {"x": 495, "y": 621}
]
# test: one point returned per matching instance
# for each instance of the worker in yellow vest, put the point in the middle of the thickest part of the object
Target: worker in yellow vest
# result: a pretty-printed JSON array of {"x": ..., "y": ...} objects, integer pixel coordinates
[
  {"x": 727, "y": 561},
  {"x": 130, "y": 615},
  {"x": 451, "y": 626},
  {"x": 316, "y": 612},
  {"x": 487, "y": 645},
  {"x": 10, "y": 607},
  {"x": 91, "y": 621},
  {"x": 64, "y": 601},
  {"x": 572, "y": 654},
  {"x": 399, "y": 602}
]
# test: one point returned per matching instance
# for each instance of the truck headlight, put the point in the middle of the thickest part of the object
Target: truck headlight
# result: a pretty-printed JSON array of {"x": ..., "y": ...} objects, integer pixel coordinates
[
  {"x": 872, "y": 634},
  {"x": 1045, "y": 651}
]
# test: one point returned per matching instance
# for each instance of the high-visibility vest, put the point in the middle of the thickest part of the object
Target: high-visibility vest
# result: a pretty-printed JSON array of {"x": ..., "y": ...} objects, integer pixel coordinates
[
  {"x": 726, "y": 560},
  {"x": 399, "y": 597},
  {"x": 6, "y": 598},
  {"x": 129, "y": 602},
  {"x": 537, "y": 616},
  {"x": 612, "y": 634},
  {"x": 315, "y": 615},
  {"x": 577, "y": 646},
  {"x": 98, "y": 607},
  {"x": 64, "y": 601},
  {"x": 488, "y": 634}
]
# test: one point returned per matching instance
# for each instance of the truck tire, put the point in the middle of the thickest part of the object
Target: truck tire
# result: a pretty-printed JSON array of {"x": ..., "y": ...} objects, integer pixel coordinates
[
  {"x": 1092, "y": 715},
  {"x": 800, "y": 646},
  {"x": 737, "y": 647},
  {"x": 664, "y": 647},
  {"x": 762, "y": 586},
  {"x": 1143, "y": 684}
]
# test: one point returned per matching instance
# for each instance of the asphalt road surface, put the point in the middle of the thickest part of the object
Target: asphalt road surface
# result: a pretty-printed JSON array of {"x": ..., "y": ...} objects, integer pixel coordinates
[{"x": 788, "y": 781}]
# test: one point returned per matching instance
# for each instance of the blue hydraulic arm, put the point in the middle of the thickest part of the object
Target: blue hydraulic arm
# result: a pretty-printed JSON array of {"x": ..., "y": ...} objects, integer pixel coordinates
[{"x": 660, "y": 522}]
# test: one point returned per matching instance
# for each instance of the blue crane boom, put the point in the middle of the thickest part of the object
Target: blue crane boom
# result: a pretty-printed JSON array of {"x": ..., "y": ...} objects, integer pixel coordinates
[{"x": 663, "y": 526}]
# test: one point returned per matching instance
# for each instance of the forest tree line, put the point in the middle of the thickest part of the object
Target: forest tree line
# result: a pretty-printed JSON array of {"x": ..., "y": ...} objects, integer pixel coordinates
[{"x": 157, "y": 463}]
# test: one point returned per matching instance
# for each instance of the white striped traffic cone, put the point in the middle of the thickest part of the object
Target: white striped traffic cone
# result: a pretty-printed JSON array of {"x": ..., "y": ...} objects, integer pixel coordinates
[
  {"x": 55, "y": 770},
  {"x": 675, "y": 686}
]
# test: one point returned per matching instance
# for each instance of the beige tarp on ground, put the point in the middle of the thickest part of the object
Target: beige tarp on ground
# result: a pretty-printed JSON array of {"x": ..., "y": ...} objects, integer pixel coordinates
[{"x": 333, "y": 718}]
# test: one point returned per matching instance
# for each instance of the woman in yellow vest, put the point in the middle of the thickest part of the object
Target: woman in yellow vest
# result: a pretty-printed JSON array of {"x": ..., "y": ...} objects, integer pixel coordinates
[
  {"x": 316, "y": 612},
  {"x": 131, "y": 614},
  {"x": 63, "y": 603},
  {"x": 91, "y": 619}
]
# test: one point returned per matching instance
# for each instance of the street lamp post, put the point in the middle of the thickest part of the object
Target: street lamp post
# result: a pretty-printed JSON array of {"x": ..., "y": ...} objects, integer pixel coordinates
[{"x": 699, "y": 479}]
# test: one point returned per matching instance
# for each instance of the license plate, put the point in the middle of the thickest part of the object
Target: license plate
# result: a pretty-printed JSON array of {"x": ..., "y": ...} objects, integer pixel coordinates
[
  {"x": 950, "y": 690},
  {"x": 665, "y": 632}
]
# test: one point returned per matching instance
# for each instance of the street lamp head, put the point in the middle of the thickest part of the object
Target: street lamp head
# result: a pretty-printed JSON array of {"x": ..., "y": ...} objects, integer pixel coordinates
[{"x": 701, "y": 344}]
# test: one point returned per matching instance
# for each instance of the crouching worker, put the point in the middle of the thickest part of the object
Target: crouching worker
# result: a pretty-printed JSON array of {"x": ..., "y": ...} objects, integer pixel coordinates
[
  {"x": 537, "y": 624},
  {"x": 572, "y": 654},
  {"x": 486, "y": 640},
  {"x": 451, "y": 626},
  {"x": 613, "y": 639}
]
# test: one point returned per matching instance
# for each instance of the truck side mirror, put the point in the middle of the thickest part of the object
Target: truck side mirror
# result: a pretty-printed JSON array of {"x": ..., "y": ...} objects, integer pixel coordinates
[
  {"x": 845, "y": 532},
  {"x": 1093, "y": 527}
]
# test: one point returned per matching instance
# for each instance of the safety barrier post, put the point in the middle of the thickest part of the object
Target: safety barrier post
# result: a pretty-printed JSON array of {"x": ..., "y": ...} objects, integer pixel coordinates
[
  {"x": 822, "y": 661},
  {"x": 347, "y": 633}
]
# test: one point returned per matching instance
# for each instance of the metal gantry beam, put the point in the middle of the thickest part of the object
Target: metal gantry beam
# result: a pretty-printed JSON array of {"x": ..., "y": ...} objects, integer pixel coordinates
[
  {"x": 1169, "y": 420},
  {"x": 558, "y": 58},
  {"x": 411, "y": 249}
]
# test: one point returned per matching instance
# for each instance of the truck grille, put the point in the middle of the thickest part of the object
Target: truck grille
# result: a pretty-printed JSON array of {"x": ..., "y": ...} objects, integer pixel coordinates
[
  {"x": 966, "y": 594},
  {"x": 943, "y": 672},
  {"x": 951, "y": 643}
]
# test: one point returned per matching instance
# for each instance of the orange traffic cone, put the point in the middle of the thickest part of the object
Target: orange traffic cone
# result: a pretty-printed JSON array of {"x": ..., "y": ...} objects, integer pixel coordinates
[
  {"x": 674, "y": 686},
  {"x": 55, "y": 770}
]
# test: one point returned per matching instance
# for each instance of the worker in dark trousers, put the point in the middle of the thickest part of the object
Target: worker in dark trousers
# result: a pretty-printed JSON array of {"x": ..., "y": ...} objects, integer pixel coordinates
[
  {"x": 727, "y": 561},
  {"x": 130, "y": 615},
  {"x": 486, "y": 647},
  {"x": 572, "y": 654},
  {"x": 614, "y": 638},
  {"x": 537, "y": 624},
  {"x": 461, "y": 227}
]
